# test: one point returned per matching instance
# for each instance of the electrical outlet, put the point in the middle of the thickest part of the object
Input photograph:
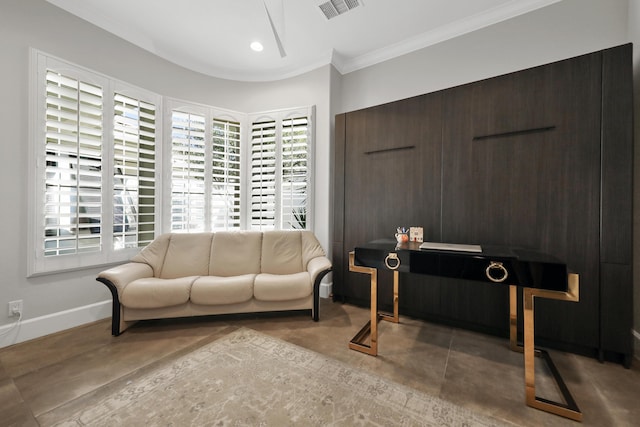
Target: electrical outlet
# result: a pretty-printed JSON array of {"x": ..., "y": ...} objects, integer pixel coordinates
[{"x": 15, "y": 308}]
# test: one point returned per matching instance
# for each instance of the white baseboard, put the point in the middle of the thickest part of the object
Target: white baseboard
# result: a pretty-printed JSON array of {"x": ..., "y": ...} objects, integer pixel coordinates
[
  {"x": 326, "y": 289},
  {"x": 40, "y": 326},
  {"x": 636, "y": 343}
]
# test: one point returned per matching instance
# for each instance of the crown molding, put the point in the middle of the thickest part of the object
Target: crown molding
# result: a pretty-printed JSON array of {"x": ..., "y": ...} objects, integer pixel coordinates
[{"x": 443, "y": 33}]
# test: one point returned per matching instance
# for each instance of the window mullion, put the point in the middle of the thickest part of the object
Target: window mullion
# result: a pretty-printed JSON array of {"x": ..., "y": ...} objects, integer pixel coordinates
[
  {"x": 208, "y": 167},
  {"x": 278, "y": 218},
  {"x": 108, "y": 151},
  {"x": 77, "y": 187}
]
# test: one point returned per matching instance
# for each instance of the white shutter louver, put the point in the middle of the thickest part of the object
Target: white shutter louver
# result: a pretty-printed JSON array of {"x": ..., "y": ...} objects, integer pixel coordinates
[
  {"x": 225, "y": 190},
  {"x": 294, "y": 173},
  {"x": 187, "y": 172},
  {"x": 263, "y": 175},
  {"x": 134, "y": 172},
  {"x": 73, "y": 199}
]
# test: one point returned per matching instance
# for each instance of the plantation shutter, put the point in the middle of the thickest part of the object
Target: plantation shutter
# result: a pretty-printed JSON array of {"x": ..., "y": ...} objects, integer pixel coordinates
[
  {"x": 73, "y": 199},
  {"x": 294, "y": 173},
  {"x": 187, "y": 172},
  {"x": 133, "y": 172},
  {"x": 263, "y": 175},
  {"x": 225, "y": 190},
  {"x": 92, "y": 167}
]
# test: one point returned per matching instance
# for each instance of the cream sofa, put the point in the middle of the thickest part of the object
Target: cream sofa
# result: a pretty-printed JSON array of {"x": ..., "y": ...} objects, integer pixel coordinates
[{"x": 179, "y": 275}]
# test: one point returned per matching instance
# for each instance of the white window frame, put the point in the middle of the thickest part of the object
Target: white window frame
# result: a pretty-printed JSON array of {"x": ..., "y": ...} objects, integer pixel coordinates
[
  {"x": 37, "y": 263},
  {"x": 279, "y": 116},
  {"x": 209, "y": 113}
]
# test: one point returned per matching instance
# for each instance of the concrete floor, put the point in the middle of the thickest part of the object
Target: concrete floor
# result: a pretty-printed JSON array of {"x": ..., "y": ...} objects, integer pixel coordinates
[{"x": 473, "y": 370}]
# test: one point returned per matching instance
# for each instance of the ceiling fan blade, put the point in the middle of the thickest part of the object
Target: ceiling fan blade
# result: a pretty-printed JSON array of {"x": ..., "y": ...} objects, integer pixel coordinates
[{"x": 275, "y": 32}]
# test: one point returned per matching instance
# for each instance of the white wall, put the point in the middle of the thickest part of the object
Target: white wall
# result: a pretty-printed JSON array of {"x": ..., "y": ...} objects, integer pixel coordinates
[
  {"x": 60, "y": 301},
  {"x": 54, "y": 302}
]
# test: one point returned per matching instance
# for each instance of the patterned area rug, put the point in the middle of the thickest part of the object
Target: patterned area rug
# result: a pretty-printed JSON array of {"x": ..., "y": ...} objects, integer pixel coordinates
[{"x": 250, "y": 379}]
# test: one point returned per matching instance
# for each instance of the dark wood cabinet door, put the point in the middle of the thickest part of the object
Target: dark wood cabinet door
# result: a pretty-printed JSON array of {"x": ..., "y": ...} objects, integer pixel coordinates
[
  {"x": 391, "y": 177},
  {"x": 521, "y": 168}
]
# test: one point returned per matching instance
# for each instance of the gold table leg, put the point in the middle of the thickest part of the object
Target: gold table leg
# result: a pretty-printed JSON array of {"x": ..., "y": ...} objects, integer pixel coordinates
[
  {"x": 370, "y": 329},
  {"x": 513, "y": 318},
  {"x": 392, "y": 317},
  {"x": 570, "y": 408}
]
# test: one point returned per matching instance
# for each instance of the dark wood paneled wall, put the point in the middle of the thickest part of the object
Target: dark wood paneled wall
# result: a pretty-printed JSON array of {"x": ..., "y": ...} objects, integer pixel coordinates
[
  {"x": 540, "y": 158},
  {"x": 616, "y": 260}
]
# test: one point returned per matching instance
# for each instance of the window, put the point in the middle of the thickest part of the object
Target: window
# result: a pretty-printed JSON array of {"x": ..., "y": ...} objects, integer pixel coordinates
[
  {"x": 187, "y": 172},
  {"x": 73, "y": 169},
  {"x": 97, "y": 165},
  {"x": 226, "y": 194},
  {"x": 208, "y": 169},
  {"x": 92, "y": 165},
  {"x": 295, "y": 172},
  {"x": 134, "y": 172},
  {"x": 206, "y": 181},
  {"x": 263, "y": 175},
  {"x": 280, "y": 170}
]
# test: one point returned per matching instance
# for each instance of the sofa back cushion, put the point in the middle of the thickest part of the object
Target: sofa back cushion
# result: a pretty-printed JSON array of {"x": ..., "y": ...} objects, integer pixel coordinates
[
  {"x": 153, "y": 254},
  {"x": 231, "y": 253},
  {"x": 234, "y": 253},
  {"x": 187, "y": 255},
  {"x": 282, "y": 252},
  {"x": 311, "y": 247}
]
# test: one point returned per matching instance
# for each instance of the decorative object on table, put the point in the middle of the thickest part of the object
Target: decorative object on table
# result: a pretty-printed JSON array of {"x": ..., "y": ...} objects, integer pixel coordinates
[
  {"x": 415, "y": 234},
  {"x": 402, "y": 234}
]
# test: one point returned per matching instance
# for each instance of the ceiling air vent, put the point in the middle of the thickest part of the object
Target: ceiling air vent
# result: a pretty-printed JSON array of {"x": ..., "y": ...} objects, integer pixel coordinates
[{"x": 333, "y": 8}]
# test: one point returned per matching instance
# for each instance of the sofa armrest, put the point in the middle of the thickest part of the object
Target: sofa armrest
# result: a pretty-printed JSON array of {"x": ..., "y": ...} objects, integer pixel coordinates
[
  {"x": 317, "y": 268},
  {"x": 121, "y": 275},
  {"x": 317, "y": 265},
  {"x": 116, "y": 279}
]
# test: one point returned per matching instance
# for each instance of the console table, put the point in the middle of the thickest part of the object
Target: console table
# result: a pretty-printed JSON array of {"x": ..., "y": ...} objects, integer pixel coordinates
[{"x": 539, "y": 275}]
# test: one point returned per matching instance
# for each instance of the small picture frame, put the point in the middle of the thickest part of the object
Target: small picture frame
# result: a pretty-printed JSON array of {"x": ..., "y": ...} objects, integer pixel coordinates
[{"x": 415, "y": 234}]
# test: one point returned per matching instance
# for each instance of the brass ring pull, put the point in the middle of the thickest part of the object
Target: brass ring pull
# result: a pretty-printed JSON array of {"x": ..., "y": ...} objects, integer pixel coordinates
[
  {"x": 496, "y": 272},
  {"x": 394, "y": 257}
]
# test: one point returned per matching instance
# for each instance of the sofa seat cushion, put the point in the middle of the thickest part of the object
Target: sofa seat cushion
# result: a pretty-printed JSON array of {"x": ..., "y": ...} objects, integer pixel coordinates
[
  {"x": 214, "y": 290},
  {"x": 152, "y": 292},
  {"x": 282, "y": 287}
]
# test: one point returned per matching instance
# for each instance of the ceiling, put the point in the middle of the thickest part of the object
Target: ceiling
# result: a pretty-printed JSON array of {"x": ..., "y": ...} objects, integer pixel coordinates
[{"x": 213, "y": 36}]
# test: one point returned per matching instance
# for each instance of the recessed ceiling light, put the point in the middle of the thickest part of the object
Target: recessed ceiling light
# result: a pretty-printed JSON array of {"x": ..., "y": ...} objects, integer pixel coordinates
[{"x": 257, "y": 46}]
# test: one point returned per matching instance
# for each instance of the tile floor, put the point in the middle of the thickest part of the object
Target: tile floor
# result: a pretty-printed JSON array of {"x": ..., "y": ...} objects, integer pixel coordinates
[{"x": 473, "y": 370}]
